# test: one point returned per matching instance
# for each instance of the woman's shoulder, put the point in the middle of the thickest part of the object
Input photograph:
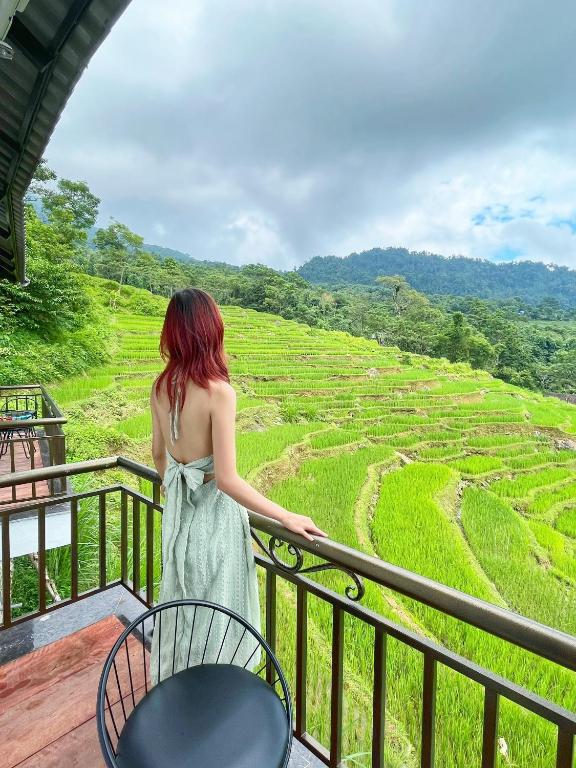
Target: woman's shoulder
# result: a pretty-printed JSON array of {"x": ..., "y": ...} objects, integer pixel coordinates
[
  {"x": 154, "y": 391},
  {"x": 222, "y": 390}
]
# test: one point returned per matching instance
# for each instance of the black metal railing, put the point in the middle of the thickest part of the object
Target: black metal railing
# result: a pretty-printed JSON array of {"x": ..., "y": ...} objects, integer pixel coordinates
[
  {"x": 31, "y": 434},
  {"x": 138, "y": 571}
]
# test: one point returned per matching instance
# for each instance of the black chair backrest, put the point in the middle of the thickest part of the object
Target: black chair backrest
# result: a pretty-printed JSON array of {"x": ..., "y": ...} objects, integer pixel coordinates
[{"x": 126, "y": 676}]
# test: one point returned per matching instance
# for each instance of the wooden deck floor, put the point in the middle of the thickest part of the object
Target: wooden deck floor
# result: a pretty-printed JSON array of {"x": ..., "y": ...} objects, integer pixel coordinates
[
  {"x": 48, "y": 701},
  {"x": 19, "y": 462},
  {"x": 48, "y": 696}
]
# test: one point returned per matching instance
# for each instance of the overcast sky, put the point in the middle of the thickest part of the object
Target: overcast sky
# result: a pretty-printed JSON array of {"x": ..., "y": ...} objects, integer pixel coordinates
[{"x": 274, "y": 130}]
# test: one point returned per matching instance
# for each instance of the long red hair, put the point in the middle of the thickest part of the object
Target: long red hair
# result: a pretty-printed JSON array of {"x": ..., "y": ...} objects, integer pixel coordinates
[{"x": 191, "y": 344}]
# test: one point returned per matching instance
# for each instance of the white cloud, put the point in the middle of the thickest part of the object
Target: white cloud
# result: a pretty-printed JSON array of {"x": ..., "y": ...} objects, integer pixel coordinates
[
  {"x": 269, "y": 131},
  {"x": 528, "y": 182},
  {"x": 255, "y": 239}
]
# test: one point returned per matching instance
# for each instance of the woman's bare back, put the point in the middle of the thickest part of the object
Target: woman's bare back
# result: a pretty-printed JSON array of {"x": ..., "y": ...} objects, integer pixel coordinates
[{"x": 194, "y": 434}]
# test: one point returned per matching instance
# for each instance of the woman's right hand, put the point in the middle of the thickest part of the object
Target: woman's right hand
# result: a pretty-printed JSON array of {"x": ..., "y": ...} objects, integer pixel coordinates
[{"x": 302, "y": 525}]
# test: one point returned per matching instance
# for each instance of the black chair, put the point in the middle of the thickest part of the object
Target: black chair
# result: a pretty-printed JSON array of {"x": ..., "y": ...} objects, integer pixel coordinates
[
  {"x": 5, "y": 435},
  {"x": 24, "y": 432},
  {"x": 213, "y": 714}
]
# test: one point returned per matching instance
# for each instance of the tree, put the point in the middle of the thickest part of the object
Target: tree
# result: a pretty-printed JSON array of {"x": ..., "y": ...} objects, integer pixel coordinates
[
  {"x": 71, "y": 206},
  {"x": 461, "y": 343},
  {"x": 562, "y": 372},
  {"x": 397, "y": 288},
  {"x": 147, "y": 272},
  {"x": 42, "y": 175},
  {"x": 117, "y": 248},
  {"x": 54, "y": 300},
  {"x": 173, "y": 276}
]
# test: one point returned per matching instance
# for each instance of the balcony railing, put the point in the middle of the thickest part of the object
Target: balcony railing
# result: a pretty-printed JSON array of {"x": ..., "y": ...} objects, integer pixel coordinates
[
  {"x": 138, "y": 571},
  {"x": 31, "y": 437}
]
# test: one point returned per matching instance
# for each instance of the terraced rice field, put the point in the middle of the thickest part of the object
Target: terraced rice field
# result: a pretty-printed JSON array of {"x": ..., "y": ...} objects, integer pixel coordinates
[{"x": 430, "y": 466}]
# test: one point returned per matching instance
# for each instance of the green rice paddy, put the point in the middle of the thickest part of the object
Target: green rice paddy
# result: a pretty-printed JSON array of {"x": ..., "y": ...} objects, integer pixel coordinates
[{"x": 431, "y": 466}]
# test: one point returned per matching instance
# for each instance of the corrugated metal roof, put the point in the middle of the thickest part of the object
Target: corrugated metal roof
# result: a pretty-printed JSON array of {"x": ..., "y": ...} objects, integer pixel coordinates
[{"x": 53, "y": 41}]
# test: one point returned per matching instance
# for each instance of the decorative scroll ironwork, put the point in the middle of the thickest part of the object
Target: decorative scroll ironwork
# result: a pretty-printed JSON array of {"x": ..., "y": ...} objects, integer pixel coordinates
[{"x": 354, "y": 591}]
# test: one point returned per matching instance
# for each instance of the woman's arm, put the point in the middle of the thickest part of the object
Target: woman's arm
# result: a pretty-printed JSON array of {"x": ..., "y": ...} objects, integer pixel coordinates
[
  {"x": 223, "y": 415},
  {"x": 158, "y": 444}
]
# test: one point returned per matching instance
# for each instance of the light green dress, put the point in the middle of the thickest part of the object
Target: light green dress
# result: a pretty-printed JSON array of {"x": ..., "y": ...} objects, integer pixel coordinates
[{"x": 206, "y": 554}]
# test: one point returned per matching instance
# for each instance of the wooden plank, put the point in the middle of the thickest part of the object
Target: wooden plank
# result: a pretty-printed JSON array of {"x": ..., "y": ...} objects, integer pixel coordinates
[
  {"x": 34, "y": 672},
  {"x": 79, "y": 748},
  {"x": 15, "y": 460},
  {"x": 50, "y": 714}
]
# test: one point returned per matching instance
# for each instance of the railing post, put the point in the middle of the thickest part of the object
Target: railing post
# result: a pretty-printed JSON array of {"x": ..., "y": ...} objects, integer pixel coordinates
[
  {"x": 13, "y": 468},
  {"x": 379, "y": 698},
  {"x": 301, "y": 658},
  {"x": 74, "y": 549},
  {"x": 61, "y": 457},
  {"x": 42, "y": 558},
  {"x": 565, "y": 749},
  {"x": 6, "y": 579},
  {"x": 123, "y": 537},
  {"x": 102, "y": 538},
  {"x": 149, "y": 555},
  {"x": 270, "y": 621},
  {"x": 336, "y": 688},
  {"x": 33, "y": 463},
  {"x": 490, "y": 727},
  {"x": 428, "y": 711},
  {"x": 136, "y": 545}
]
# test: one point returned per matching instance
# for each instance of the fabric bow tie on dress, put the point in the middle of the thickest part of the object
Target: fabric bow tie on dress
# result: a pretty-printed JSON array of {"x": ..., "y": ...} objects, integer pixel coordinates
[
  {"x": 177, "y": 473},
  {"x": 176, "y": 477}
]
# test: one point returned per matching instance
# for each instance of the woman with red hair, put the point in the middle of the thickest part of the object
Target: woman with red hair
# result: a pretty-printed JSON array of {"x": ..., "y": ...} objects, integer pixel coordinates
[{"x": 206, "y": 543}]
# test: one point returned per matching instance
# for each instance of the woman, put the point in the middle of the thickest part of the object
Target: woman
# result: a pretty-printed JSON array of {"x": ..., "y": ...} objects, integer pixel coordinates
[{"x": 206, "y": 544}]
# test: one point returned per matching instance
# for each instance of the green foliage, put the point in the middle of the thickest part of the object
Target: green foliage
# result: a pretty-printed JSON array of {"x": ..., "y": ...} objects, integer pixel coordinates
[
  {"x": 71, "y": 209},
  {"x": 116, "y": 251},
  {"x": 125, "y": 298},
  {"x": 386, "y": 307},
  {"x": 54, "y": 300},
  {"x": 86, "y": 440},
  {"x": 52, "y": 328},
  {"x": 461, "y": 344},
  {"x": 297, "y": 410},
  {"x": 559, "y": 549},
  {"x": 566, "y": 522},
  {"x": 477, "y": 465},
  {"x": 522, "y": 485},
  {"x": 502, "y": 544},
  {"x": 457, "y": 276}
]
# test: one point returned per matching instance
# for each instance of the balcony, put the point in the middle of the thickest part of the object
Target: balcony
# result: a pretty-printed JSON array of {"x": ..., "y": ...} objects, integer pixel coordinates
[
  {"x": 31, "y": 436},
  {"x": 125, "y": 569}
]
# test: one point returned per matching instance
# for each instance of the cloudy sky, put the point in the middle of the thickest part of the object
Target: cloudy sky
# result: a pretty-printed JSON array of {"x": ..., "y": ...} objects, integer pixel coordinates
[{"x": 274, "y": 130}]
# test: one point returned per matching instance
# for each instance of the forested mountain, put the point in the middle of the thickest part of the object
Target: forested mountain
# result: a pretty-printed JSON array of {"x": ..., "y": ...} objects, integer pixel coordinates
[{"x": 456, "y": 275}]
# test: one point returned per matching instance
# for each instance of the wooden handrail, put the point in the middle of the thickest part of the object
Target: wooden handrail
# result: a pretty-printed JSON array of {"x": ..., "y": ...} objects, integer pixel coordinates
[{"x": 22, "y": 423}]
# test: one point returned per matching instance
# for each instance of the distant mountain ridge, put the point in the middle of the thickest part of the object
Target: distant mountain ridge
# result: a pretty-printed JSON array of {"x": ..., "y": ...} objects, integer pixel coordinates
[
  {"x": 168, "y": 253},
  {"x": 455, "y": 275},
  {"x": 171, "y": 253}
]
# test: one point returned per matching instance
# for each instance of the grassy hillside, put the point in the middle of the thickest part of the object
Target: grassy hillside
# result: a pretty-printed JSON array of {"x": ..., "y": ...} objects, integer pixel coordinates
[{"x": 429, "y": 465}]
